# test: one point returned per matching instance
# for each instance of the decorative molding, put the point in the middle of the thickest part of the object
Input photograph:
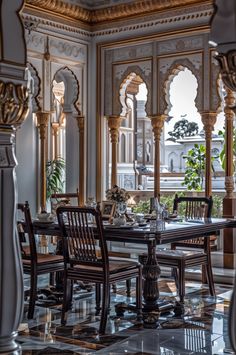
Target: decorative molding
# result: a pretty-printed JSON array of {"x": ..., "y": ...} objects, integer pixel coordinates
[
  {"x": 111, "y": 13},
  {"x": 13, "y": 104},
  {"x": 178, "y": 15}
]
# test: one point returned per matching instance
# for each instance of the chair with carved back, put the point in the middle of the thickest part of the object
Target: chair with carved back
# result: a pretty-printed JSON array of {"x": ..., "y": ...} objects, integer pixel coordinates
[
  {"x": 64, "y": 199},
  {"x": 34, "y": 263},
  {"x": 86, "y": 258},
  {"x": 200, "y": 252}
]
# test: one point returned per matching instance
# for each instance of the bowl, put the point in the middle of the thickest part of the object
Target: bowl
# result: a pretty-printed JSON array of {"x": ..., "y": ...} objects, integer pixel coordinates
[{"x": 43, "y": 216}]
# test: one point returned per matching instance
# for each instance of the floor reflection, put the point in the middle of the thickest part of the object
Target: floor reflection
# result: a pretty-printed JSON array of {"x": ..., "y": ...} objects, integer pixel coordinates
[{"x": 202, "y": 329}]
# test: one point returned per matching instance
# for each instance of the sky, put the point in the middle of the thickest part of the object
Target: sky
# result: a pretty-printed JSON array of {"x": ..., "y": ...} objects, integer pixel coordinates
[{"x": 183, "y": 92}]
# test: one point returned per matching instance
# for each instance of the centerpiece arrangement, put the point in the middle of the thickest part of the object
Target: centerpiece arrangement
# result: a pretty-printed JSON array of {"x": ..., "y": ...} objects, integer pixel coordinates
[{"x": 120, "y": 196}]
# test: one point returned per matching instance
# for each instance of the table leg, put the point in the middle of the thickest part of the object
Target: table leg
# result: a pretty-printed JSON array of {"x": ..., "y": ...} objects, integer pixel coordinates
[{"x": 151, "y": 273}]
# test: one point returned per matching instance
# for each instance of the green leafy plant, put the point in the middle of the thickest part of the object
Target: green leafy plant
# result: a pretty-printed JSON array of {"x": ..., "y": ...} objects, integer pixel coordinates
[
  {"x": 55, "y": 175},
  {"x": 183, "y": 128},
  {"x": 222, "y": 155},
  {"x": 142, "y": 207},
  {"x": 195, "y": 167}
]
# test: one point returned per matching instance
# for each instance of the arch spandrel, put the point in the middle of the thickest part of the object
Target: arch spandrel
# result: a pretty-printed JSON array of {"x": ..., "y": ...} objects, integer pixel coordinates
[
  {"x": 71, "y": 98},
  {"x": 35, "y": 88},
  {"x": 145, "y": 75},
  {"x": 167, "y": 78},
  {"x": 215, "y": 99}
]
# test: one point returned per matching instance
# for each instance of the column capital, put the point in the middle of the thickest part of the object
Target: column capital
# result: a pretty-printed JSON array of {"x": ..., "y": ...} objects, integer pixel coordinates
[
  {"x": 229, "y": 104},
  {"x": 157, "y": 122},
  {"x": 42, "y": 122},
  {"x": 14, "y": 101},
  {"x": 80, "y": 121},
  {"x": 228, "y": 68},
  {"x": 114, "y": 123},
  {"x": 208, "y": 120},
  {"x": 55, "y": 127}
]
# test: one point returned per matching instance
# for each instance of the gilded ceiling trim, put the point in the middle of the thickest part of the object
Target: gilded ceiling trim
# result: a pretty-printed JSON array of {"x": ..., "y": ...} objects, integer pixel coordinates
[{"x": 112, "y": 13}]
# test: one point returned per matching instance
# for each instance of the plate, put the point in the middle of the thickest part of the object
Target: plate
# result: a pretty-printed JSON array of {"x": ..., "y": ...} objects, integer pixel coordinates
[
  {"x": 42, "y": 222},
  {"x": 119, "y": 227}
]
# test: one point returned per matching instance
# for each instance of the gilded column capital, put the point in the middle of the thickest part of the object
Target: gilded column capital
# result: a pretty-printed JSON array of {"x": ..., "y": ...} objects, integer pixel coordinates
[
  {"x": 14, "y": 101},
  {"x": 55, "y": 128},
  {"x": 157, "y": 124},
  {"x": 114, "y": 123},
  {"x": 80, "y": 121},
  {"x": 42, "y": 122},
  {"x": 208, "y": 120}
]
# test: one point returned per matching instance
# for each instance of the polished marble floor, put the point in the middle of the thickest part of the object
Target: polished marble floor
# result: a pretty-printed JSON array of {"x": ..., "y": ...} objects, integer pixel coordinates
[{"x": 202, "y": 330}]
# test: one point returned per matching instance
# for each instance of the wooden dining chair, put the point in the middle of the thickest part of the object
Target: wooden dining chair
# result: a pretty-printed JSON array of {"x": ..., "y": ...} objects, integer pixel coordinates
[
  {"x": 64, "y": 199},
  {"x": 193, "y": 252},
  {"x": 34, "y": 263},
  {"x": 86, "y": 259}
]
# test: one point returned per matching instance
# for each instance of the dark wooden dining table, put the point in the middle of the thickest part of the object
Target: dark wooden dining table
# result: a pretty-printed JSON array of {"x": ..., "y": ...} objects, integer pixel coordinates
[{"x": 171, "y": 231}]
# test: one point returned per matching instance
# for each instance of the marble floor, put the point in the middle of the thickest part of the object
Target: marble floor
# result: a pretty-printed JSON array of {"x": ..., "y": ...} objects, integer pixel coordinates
[{"x": 203, "y": 329}]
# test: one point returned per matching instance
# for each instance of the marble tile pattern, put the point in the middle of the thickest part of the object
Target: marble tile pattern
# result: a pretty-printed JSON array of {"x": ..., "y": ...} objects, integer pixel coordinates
[{"x": 203, "y": 329}]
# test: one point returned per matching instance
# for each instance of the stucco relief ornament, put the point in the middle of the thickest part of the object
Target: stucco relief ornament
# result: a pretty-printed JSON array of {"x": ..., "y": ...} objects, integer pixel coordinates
[
  {"x": 13, "y": 104},
  {"x": 228, "y": 68}
]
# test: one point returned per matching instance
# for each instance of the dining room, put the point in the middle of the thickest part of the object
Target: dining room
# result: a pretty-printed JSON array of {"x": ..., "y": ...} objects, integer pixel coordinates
[{"x": 117, "y": 179}]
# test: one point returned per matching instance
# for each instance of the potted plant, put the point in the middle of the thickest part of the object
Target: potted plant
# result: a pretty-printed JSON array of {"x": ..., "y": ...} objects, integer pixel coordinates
[{"x": 55, "y": 176}]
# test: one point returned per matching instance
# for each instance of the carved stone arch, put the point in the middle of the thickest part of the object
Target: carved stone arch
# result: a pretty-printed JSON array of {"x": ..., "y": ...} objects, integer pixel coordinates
[
  {"x": 34, "y": 86},
  {"x": 122, "y": 84},
  {"x": 176, "y": 67},
  {"x": 71, "y": 97}
]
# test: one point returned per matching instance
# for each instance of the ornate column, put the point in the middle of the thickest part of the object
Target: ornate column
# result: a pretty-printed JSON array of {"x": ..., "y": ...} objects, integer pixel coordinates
[
  {"x": 42, "y": 121},
  {"x": 55, "y": 131},
  {"x": 224, "y": 17},
  {"x": 80, "y": 122},
  {"x": 157, "y": 126},
  {"x": 13, "y": 110},
  {"x": 208, "y": 120},
  {"x": 229, "y": 128},
  {"x": 114, "y": 123}
]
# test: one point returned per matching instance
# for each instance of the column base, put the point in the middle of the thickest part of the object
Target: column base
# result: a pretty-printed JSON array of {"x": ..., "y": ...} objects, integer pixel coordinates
[{"x": 9, "y": 346}]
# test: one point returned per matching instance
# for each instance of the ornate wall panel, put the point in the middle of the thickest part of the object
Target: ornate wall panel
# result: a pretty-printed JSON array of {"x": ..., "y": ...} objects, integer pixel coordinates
[
  {"x": 180, "y": 45},
  {"x": 168, "y": 67},
  {"x": 133, "y": 52}
]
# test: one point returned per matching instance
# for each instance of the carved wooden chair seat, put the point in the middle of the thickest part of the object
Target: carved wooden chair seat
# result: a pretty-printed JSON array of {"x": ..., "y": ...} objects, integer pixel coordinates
[
  {"x": 34, "y": 263},
  {"x": 86, "y": 259},
  {"x": 199, "y": 254}
]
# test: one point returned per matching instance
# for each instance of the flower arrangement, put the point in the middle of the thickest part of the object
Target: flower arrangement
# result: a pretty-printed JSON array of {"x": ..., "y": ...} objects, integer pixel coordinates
[{"x": 117, "y": 194}]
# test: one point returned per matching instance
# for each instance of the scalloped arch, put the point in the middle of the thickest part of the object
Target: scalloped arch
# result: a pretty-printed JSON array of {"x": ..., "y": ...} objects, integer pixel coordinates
[
  {"x": 176, "y": 67},
  {"x": 71, "y": 98},
  {"x": 35, "y": 88},
  {"x": 126, "y": 78}
]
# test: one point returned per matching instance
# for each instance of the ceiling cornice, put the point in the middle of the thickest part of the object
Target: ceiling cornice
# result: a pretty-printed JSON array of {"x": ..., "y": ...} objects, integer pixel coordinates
[{"x": 108, "y": 14}]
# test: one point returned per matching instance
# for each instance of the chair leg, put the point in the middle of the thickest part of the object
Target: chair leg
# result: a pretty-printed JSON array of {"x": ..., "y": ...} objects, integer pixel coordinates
[
  {"x": 114, "y": 288},
  {"x": 181, "y": 282},
  {"x": 139, "y": 295},
  {"x": 98, "y": 298},
  {"x": 210, "y": 278},
  {"x": 128, "y": 288},
  {"x": 33, "y": 293},
  {"x": 67, "y": 299},
  {"x": 105, "y": 306}
]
